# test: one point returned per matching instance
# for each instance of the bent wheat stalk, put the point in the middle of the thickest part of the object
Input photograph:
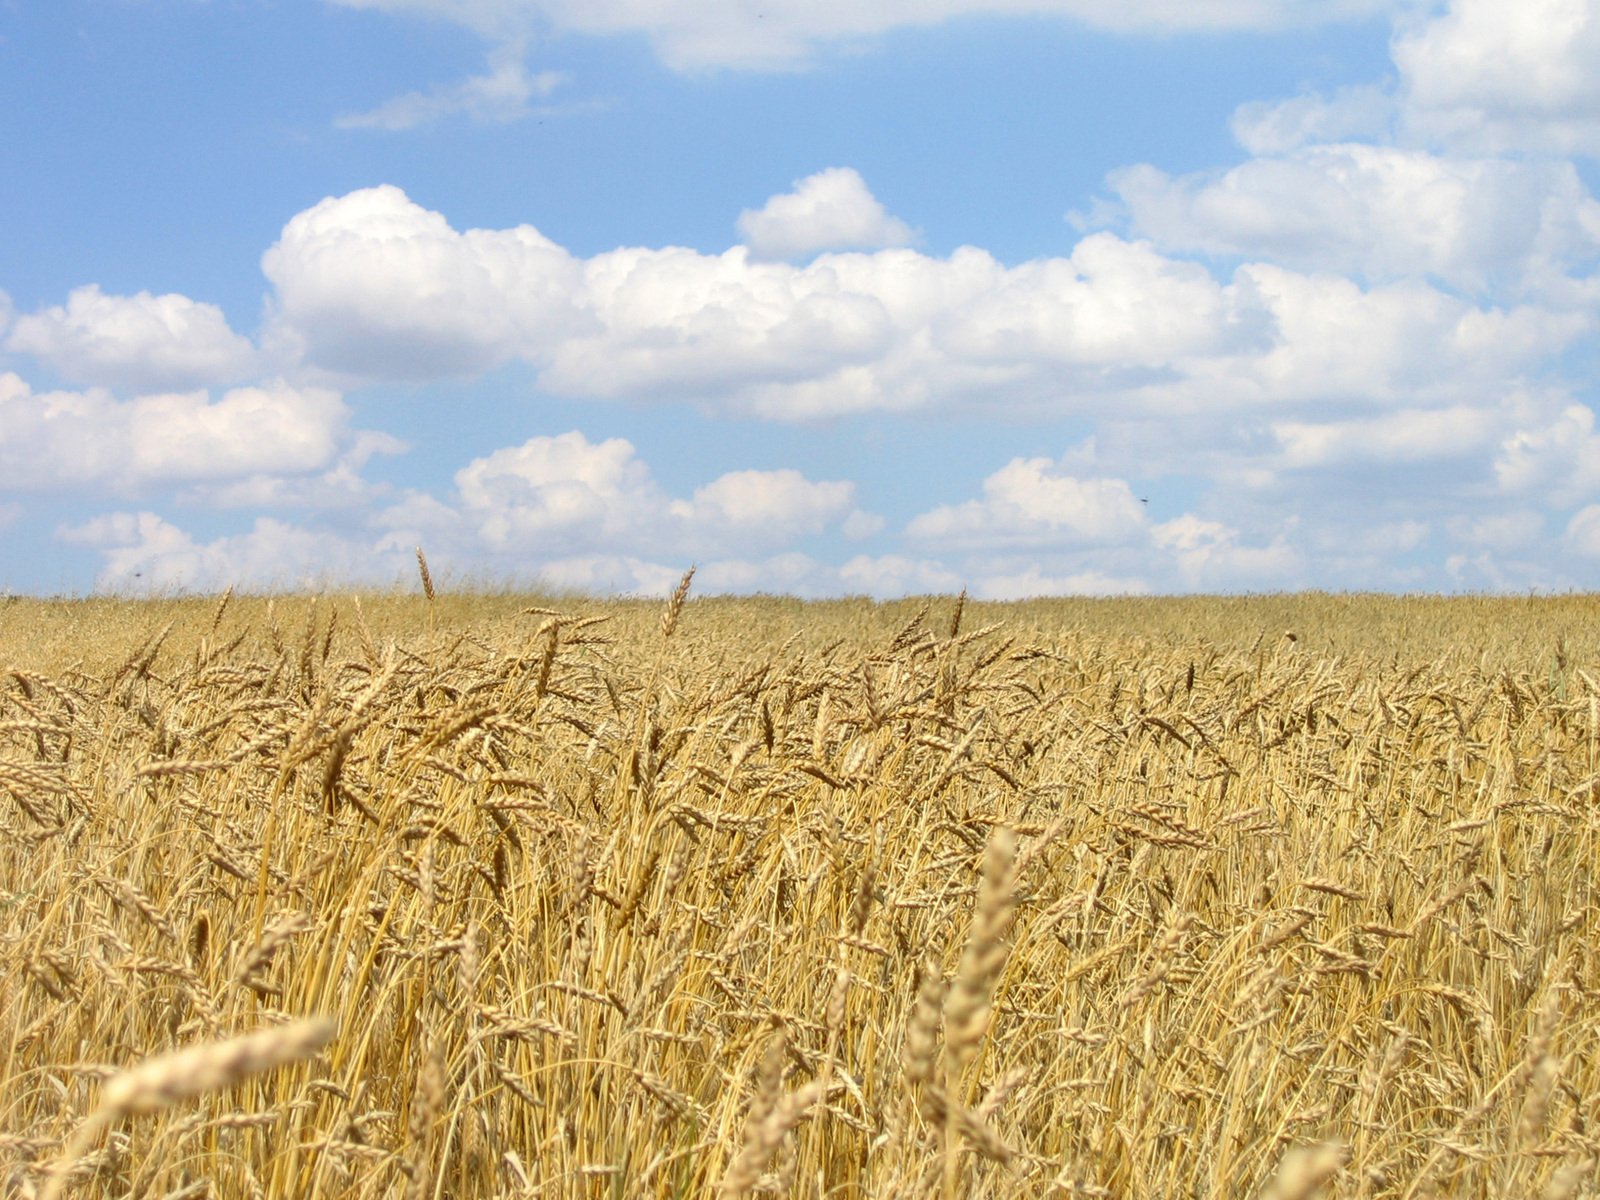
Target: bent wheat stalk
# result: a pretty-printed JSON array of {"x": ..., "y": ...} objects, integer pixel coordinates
[{"x": 169, "y": 1079}]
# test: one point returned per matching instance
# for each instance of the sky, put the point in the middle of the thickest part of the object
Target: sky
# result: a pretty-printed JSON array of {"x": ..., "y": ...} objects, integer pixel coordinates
[{"x": 826, "y": 297}]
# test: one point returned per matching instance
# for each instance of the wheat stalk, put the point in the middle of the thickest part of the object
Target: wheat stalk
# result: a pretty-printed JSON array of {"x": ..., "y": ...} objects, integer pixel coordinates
[{"x": 168, "y": 1079}]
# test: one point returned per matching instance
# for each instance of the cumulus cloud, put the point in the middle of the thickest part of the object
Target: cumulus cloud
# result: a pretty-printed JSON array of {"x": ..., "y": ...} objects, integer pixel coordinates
[
  {"x": 1552, "y": 453},
  {"x": 691, "y": 35},
  {"x": 562, "y": 511},
  {"x": 1408, "y": 436},
  {"x": 778, "y": 504},
  {"x": 502, "y": 94},
  {"x": 134, "y": 343},
  {"x": 71, "y": 440},
  {"x": 831, "y": 210},
  {"x": 1029, "y": 502},
  {"x": 1398, "y": 343},
  {"x": 1485, "y": 75},
  {"x": 565, "y": 497},
  {"x": 1211, "y": 555},
  {"x": 142, "y": 551},
  {"x": 342, "y": 484},
  {"x": 1377, "y": 212},
  {"x": 374, "y": 285},
  {"x": 1038, "y": 530},
  {"x": 559, "y": 494},
  {"x": 683, "y": 325}
]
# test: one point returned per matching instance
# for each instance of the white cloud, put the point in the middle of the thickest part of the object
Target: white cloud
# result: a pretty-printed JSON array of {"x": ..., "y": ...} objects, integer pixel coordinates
[
  {"x": 144, "y": 552},
  {"x": 859, "y": 525},
  {"x": 1270, "y": 127},
  {"x": 1378, "y": 212},
  {"x": 1028, "y": 502},
  {"x": 680, "y": 324},
  {"x": 831, "y": 210},
  {"x": 1513, "y": 530},
  {"x": 1493, "y": 76},
  {"x": 693, "y": 35},
  {"x": 1583, "y": 531},
  {"x": 1491, "y": 572},
  {"x": 1111, "y": 304},
  {"x": 609, "y": 574},
  {"x": 559, "y": 494},
  {"x": 134, "y": 343},
  {"x": 896, "y": 575},
  {"x": 504, "y": 93},
  {"x": 1277, "y": 389},
  {"x": 1399, "y": 343},
  {"x": 778, "y": 504},
  {"x": 340, "y": 485},
  {"x": 1552, "y": 454},
  {"x": 1210, "y": 555},
  {"x": 1407, "y": 436},
  {"x": 565, "y": 497},
  {"x": 57, "y": 440},
  {"x": 791, "y": 573},
  {"x": 379, "y": 287},
  {"x": 1039, "y": 531},
  {"x": 1032, "y": 582}
]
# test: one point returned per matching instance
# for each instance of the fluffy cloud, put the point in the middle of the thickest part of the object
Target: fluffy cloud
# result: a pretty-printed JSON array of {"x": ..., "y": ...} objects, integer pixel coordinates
[
  {"x": 778, "y": 504},
  {"x": 1027, "y": 502},
  {"x": 1377, "y": 212},
  {"x": 134, "y": 343},
  {"x": 143, "y": 552},
  {"x": 1398, "y": 343},
  {"x": 1491, "y": 76},
  {"x": 1038, "y": 530},
  {"x": 831, "y": 210},
  {"x": 59, "y": 440},
  {"x": 1409, "y": 436},
  {"x": 1209, "y": 555},
  {"x": 567, "y": 498},
  {"x": 559, "y": 494},
  {"x": 679, "y": 324},
  {"x": 1550, "y": 453},
  {"x": 377, "y": 286},
  {"x": 785, "y": 34},
  {"x": 563, "y": 511}
]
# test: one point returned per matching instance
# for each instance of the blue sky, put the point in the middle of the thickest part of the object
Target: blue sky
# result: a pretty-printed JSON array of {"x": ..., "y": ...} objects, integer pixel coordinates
[{"x": 887, "y": 296}]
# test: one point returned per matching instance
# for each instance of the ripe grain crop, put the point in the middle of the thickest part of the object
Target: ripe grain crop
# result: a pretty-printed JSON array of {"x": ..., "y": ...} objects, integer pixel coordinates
[{"x": 483, "y": 896}]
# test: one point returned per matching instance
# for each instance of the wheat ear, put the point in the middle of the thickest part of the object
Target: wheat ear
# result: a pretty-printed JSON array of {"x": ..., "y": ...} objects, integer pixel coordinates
[{"x": 169, "y": 1079}]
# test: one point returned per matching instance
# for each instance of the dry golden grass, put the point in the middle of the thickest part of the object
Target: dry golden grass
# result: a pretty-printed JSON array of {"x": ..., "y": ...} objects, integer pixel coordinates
[{"x": 479, "y": 896}]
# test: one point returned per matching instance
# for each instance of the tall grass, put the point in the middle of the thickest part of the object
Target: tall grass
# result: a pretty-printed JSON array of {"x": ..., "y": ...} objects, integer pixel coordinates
[{"x": 485, "y": 896}]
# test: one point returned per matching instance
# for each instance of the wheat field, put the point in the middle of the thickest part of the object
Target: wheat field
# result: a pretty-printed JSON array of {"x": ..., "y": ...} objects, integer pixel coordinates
[{"x": 491, "y": 896}]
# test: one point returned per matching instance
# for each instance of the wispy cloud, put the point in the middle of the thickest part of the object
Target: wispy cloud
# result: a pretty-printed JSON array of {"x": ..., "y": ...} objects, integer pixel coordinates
[{"x": 504, "y": 93}]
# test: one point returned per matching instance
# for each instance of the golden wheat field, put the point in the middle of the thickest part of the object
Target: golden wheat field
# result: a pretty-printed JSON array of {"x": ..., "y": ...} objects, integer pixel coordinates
[{"x": 489, "y": 896}]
